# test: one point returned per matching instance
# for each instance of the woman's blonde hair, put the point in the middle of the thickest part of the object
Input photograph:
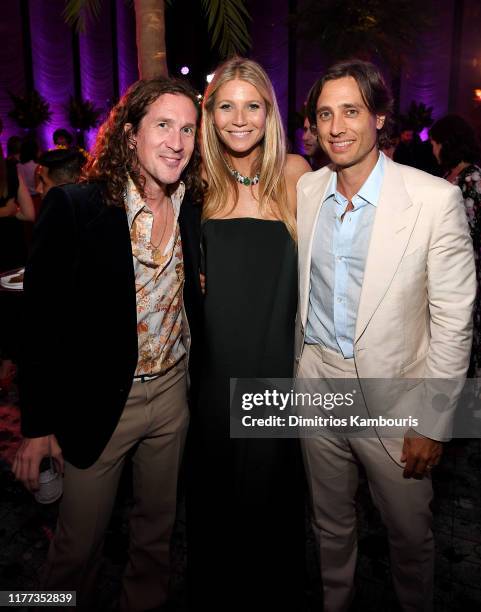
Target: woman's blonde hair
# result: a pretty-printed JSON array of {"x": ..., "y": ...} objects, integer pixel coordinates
[{"x": 272, "y": 159}]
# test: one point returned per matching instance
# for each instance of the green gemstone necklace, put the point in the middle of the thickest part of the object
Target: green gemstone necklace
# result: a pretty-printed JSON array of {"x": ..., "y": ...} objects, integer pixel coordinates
[{"x": 243, "y": 180}]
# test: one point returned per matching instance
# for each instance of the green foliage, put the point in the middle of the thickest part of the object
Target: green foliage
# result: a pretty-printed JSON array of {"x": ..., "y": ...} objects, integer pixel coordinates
[
  {"x": 369, "y": 29},
  {"x": 82, "y": 114},
  {"x": 30, "y": 110},
  {"x": 419, "y": 116},
  {"x": 227, "y": 22},
  {"x": 76, "y": 12},
  {"x": 226, "y": 19}
]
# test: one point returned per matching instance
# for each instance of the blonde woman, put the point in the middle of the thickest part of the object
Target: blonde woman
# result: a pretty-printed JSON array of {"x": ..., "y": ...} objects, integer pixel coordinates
[{"x": 246, "y": 502}]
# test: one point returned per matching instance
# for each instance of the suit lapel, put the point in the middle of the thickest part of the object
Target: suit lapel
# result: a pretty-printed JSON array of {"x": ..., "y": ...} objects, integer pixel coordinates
[
  {"x": 308, "y": 212},
  {"x": 393, "y": 225}
]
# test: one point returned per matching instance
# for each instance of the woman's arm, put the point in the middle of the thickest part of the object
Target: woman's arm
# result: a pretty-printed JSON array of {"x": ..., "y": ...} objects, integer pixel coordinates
[
  {"x": 27, "y": 210},
  {"x": 9, "y": 210}
]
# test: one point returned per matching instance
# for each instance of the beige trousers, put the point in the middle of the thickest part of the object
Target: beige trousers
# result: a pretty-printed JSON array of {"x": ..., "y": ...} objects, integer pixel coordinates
[
  {"x": 404, "y": 504},
  {"x": 154, "y": 424}
]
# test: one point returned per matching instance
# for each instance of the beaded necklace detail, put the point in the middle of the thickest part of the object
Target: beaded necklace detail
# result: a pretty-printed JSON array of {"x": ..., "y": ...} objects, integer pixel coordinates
[{"x": 243, "y": 180}]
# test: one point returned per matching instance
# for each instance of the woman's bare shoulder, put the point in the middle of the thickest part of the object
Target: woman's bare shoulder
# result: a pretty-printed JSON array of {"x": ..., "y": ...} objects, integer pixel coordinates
[{"x": 295, "y": 167}]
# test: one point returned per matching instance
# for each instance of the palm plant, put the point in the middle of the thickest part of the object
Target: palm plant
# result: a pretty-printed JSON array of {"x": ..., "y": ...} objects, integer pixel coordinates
[
  {"x": 376, "y": 30},
  {"x": 418, "y": 116},
  {"x": 227, "y": 23},
  {"x": 83, "y": 116},
  {"x": 30, "y": 110}
]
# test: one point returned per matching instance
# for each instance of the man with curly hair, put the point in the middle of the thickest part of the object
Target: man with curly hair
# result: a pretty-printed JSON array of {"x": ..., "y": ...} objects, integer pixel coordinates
[{"x": 112, "y": 291}]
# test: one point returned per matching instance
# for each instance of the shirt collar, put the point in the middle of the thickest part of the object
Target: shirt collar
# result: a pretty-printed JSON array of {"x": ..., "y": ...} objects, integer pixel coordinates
[
  {"x": 134, "y": 203},
  {"x": 370, "y": 190}
]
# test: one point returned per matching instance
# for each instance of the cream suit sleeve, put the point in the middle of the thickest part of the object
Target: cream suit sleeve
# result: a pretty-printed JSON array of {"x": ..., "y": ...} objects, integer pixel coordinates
[{"x": 451, "y": 292}]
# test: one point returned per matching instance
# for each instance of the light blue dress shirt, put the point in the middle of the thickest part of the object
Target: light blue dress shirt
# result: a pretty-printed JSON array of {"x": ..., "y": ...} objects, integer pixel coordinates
[{"x": 339, "y": 253}]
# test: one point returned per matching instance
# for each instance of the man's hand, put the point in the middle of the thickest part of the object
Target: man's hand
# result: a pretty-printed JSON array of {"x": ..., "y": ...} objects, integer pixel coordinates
[
  {"x": 420, "y": 454},
  {"x": 26, "y": 465}
]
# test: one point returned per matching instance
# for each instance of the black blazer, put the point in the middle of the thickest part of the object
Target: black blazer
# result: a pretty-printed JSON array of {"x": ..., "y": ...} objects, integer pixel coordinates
[{"x": 80, "y": 348}]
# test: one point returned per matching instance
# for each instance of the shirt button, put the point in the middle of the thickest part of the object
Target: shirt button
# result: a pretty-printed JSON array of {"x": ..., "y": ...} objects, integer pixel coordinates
[{"x": 339, "y": 299}]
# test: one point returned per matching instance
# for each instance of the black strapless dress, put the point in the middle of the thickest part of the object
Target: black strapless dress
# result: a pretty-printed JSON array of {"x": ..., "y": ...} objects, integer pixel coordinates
[{"x": 246, "y": 501}]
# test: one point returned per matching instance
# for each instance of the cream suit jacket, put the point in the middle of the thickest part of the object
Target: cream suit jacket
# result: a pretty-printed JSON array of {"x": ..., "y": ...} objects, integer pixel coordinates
[{"x": 415, "y": 310}]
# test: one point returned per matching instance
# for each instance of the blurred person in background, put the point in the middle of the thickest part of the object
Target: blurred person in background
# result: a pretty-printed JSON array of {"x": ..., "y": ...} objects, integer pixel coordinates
[
  {"x": 313, "y": 153},
  {"x": 13, "y": 148},
  {"x": 457, "y": 150},
  {"x": 58, "y": 167},
  {"x": 389, "y": 145},
  {"x": 412, "y": 151},
  {"x": 28, "y": 163},
  {"x": 15, "y": 206},
  {"x": 62, "y": 138}
]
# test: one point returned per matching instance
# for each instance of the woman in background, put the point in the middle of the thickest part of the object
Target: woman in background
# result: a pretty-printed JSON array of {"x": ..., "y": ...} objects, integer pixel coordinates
[
  {"x": 457, "y": 150},
  {"x": 16, "y": 206},
  {"x": 28, "y": 164},
  {"x": 246, "y": 508}
]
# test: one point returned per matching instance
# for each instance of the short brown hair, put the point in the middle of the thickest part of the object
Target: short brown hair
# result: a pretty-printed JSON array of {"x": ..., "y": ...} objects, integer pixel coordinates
[
  {"x": 113, "y": 161},
  {"x": 374, "y": 91}
]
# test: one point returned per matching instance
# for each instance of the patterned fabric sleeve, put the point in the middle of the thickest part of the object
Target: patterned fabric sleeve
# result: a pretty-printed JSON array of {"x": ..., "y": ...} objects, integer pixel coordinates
[{"x": 469, "y": 181}]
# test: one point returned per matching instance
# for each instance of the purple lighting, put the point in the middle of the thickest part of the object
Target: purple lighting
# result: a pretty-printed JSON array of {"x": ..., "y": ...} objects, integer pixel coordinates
[
  {"x": 184, "y": 70},
  {"x": 96, "y": 65},
  {"x": 426, "y": 75},
  {"x": 424, "y": 135},
  {"x": 12, "y": 77},
  {"x": 127, "y": 50},
  {"x": 52, "y": 64}
]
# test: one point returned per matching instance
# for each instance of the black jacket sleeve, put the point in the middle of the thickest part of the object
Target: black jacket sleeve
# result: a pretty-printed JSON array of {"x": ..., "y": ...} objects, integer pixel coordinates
[{"x": 47, "y": 288}]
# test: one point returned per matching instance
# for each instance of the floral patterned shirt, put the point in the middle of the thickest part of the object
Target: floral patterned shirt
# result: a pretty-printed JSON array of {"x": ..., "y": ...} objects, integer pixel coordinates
[
  {"x": 469, "y": 181},
  {"x": 159, "y": 283}
]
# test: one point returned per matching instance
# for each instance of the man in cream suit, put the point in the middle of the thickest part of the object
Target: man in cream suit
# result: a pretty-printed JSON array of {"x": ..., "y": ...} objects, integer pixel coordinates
[{"x": 386, "y": 291}]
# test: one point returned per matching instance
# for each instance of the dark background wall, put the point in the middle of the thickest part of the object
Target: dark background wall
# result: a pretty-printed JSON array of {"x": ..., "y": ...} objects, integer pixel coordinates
[{"x": 38, "y": 50}]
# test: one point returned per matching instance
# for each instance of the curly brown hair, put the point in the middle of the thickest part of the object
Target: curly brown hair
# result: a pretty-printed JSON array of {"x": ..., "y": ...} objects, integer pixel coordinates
[{"x": 113, "y": 161}]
